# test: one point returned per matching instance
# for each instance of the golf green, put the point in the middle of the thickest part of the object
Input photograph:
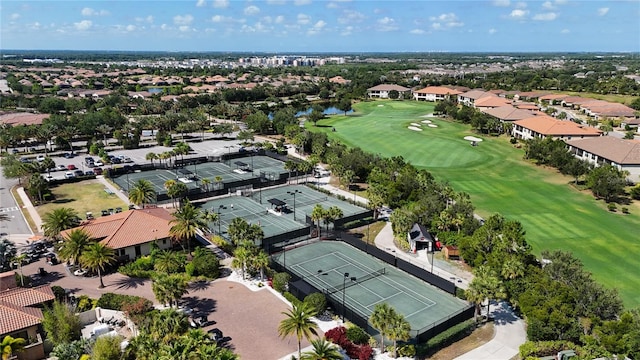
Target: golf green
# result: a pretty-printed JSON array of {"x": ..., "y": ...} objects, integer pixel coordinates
[{"x": 554, "y": 214}]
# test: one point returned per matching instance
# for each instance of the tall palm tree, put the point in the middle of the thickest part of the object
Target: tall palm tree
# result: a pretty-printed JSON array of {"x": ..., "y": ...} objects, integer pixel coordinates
[
  {"x": 151, "y": 156},
  {"x": 187, "y": 221},
  {"x": 299, "y": 324},
  {"x": 105, "y": 130},
  {"x": 58, "y": 220},
  {"x": 95, "y": 257},
  {"x": 168, "y": 262},
  {"x": 205, "y": 183},
  {"x": 11, "y": 345},
  {"x": 316, "y": 215},
  {"x": 261, "y": 261},
  {"x": 381, "y": 318},
  {"x": 19, "y": 260},
  {"x": 400, "y": 329},
  {"x": 243, "y": 254},
  {"x": 169, "y": 288},
  {"x": 210, "y": 216},
  {"x": 322, "y": 350},
  {"x": 218, "y": 180},
  {"x": 170, "y": 187},
  {"x": 74, "y": 245},
  {"x": 142, "y": 193}
]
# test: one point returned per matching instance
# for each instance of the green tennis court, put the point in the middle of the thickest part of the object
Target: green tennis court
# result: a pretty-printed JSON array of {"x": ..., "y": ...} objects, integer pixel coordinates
[{"x": 328, "y": 265}]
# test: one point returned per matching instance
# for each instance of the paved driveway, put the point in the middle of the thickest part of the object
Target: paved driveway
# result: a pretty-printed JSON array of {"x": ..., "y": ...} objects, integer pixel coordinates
[{"x": 250, "y": 318}]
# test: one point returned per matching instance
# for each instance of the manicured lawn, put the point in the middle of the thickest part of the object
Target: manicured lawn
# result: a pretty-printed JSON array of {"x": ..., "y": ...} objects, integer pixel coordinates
[
  {"x": 554, "y": 214},
  {"x": 88, "y": 195}
]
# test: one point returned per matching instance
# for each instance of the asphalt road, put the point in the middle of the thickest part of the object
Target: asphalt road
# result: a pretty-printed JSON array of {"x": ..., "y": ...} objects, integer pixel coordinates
[{"x": 17, "y": 223}]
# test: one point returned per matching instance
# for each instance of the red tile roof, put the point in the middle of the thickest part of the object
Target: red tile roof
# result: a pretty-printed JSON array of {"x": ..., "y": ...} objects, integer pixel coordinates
[
  {"x": 620, "y": 151},
  {"x": 128, "y": 228},
  {"x": 27, "y": 296},
  {"x": 438, "y": 90},
  {"x": 508, "y": 113},
  {"x": 15, "y": 318},
  {"x": 491, "y": 101},
  {"x": 388, "y": 87},
  {"x": 549, "y": 126}
]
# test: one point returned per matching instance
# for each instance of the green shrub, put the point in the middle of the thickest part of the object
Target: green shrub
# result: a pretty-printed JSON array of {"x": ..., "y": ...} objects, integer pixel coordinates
[
  {"x": 635, "y": 192},
  {"x": 447, "y": 337},
  {"x": 318, "y": 301},
  {"x": 119, "y": 302},
  {"x": 625, "y": 210},
  {"x": 461, "y": 294},
  {"x": 280, "y": 281},
  {"x": 190, "y": 269},
  {"x": 544, "y": 348},
  {"x": 513, "y": 140},
  {"x": 408, "y": 350},
  {"x": 85, "y": 303},
  {"x": 59, "y": 293},
  {"x": 131, "y": 270},
  {"x": 205, "y": 263},
  {"x": 292, "y": 299},
  {"x": 357, "y": 335},
  {"x": 612, "y": 207}
]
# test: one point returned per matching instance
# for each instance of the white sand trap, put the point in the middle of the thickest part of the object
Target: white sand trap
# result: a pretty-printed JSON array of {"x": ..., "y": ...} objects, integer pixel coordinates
[
  {"x": 432, "y": 125},
  {"x": 428, "y": 115},
  {"x": 414, "y": 128},
  {"x": 426, "y": 121},
  {"x": 415, "y": 124},
  {"x": 380, "y": 105}
]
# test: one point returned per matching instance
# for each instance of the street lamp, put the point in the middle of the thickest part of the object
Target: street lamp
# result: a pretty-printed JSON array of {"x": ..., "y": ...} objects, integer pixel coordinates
[
  {"x": 344, "y": 290},
  {"x": 294, "y": 200},
  {"x": 228, "y": 147}
]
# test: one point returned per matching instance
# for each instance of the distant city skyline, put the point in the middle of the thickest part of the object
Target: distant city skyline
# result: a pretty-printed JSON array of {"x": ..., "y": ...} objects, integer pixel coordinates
[{"x": 322, "y": 26}]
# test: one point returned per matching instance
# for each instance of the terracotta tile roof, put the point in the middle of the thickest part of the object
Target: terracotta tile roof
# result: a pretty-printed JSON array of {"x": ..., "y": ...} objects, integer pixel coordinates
[
  {"x": 491, "y": 101},
  {"x": 577, "y": 100},
  {"x": 438, "y": 90},
  {"x": 27, "y": 296},
  {"x": 508, "y": 113},
  {"x": 128, "y": 228},
  {"x": 15, "y": 317},
  {"x": 553, "y": 97},
  {"x": 23, "y": 118},
  {"x": 610, "y": 109},
  {"x": 549, "y": 126},
  {"x": 388, "y": 87},
  {"x": 620, "y": 151},
  {"x": 477, "y": 94}
]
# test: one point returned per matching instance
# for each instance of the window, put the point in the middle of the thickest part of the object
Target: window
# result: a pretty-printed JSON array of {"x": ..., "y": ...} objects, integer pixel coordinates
[
  {"x": 164, "y": 241},
  {"x": 138, "y": 250}
]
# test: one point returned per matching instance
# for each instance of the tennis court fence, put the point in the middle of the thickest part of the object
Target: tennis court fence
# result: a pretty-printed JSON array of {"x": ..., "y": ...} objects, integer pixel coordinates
[{"x": 357, "y": 281}]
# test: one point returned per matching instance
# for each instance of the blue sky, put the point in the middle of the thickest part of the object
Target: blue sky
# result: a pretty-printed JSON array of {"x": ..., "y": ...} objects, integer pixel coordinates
[{"x": 321, "y": 26}]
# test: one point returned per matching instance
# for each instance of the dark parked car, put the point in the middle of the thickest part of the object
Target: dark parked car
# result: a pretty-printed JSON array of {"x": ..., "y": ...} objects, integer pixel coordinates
[
  {"x": 89, "y": 173},
  {"x": 78, "y": 173},
  {"x": 69, "y": 155},
  {"x": 97, "y": 171}
]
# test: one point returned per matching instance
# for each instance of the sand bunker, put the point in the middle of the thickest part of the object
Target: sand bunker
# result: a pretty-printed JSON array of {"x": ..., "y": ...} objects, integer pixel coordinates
[
  {"x": 428, "y": 115},
  {"x": 414, "y": 128},
  {"x": 415, "y": 124},
  {"x": 432, "y": 125},
  {"x": 426, "y": 121},
  {"x": 380, "y": 105}
]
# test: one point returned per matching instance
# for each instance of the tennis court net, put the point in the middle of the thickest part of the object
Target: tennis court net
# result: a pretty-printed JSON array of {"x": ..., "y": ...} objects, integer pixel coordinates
[{"x": 358, "y": 280}]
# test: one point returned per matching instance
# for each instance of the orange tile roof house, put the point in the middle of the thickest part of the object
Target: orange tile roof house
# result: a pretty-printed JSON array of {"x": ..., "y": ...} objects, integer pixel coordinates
[
  {"x": 382, "y": 91},
  {"x": 546, "y": 126},
  {"x": 435, "y": 93},
  {"x": 621, "y": 153},
  {"x": 15, "y": 119},
  {"x": 20, "y": 316},
  {"x": 508, "y": 113},
  {"x": 489, "y": 102},
  {"x": 470, "y": 97},
  {"x": 339, "y": 80},
  {"x": 130, "y": 233}
]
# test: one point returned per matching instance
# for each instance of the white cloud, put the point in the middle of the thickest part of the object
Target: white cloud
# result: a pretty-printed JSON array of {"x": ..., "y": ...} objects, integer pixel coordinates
[
  {"x": 386, "y": 24},
  {"x": 279, "y": 19},
  {"x": 303, "y": 19},
  {"x": 347, "y": 31},
  {"x": 148, "y": 19},
  {"x": 501, "y": 3},
  {"x": 417, "y": 31},
  {"x": 276, "y": 2},
  {"x": 301, "y": 2},
  {"x": 492, "y": 31},
  {"x": 131, "y": 28},
  {"x": 220, "y": 4},
  {"x": 201, "y": 3},
  {"x": 35, "y": 26},
  {"x": 183, "y": 19},
  {"x": 351, "y": 16},
  {"x": 603, "y": 11},
  {"x": 332, "y": 5},
  {"x": 184, "y": 28},
  {"x": 548, "y": 5},
  {"x": 565, "y": 31},
  {"x": 251, "y": 10},
  {"x": 15, "y": 16},
  {"x": 317, "y": 27},
  {"x": 550, "y": 16},
  {"x": 91, "y": 12},
  {"x": 165, "y": 27},
  {"x": 83, "y": 25},
  {"x": 518, "y": 14},
  {"x": 447, "y": 20},
  {"x": 561, "y": 2}
]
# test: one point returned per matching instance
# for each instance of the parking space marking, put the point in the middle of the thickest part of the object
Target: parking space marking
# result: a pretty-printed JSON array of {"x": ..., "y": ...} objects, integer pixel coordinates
[{"x": 9, "y": 209}]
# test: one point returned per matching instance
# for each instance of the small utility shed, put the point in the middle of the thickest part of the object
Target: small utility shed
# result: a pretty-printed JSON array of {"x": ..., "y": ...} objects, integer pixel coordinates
[{"x": 419, "y": 236}]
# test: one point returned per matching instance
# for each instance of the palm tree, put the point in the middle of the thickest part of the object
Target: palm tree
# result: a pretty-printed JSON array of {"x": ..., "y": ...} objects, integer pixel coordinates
[
  {"x": 187, "y": 221},
  {"x": 316, "y": 215},
  {"x": 168, "y": 262},
  {"x": 58, "y": 220},
  {"x": 210, "y": 216},
  {"x": 322, "y": 350},
  {"x": 168, "y": 289},
  {"x": 74, "y": 245},
  {"x": 242, "y": 255},
  {"x": 205, "y": 183},
  {"x": 151, "y": 156},
  {"x": 19, "y": 260},
  {"x": 11, "y": 345},
  {"x": 400, "y": 329},
  {"x": 298, "y": 323},
  {"x": 381, "y": 319},
  {"x": 142, "y": 193},
  {"x": 218, "y": 180},
  {"x": 170, "y": 187},
  {"x": 95, "y": 257},
  {"x": 290, "y": 166},
  {"x": 105, "y": 130},
  {"x": 261, "y": 261}
]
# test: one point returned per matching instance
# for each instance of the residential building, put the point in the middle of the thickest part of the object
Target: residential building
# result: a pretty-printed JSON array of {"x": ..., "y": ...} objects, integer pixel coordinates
[
  {"x": 470, "y": 97},
  {"x": 435, "y": 93},
  {"x": 23, "y": 118},
  {"x": 508, "y": 113},
  {"x": 21, "y": 315},
  {"x": 546, "y": 126},
  {"x": 621, "y": 153},
  {"x": 130, "y": 233},
  {"x": 382, "y": 91}
]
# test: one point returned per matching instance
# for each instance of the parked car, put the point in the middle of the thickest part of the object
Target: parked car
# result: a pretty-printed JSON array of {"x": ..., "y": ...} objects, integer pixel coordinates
[
  {"x": 71, "y": 167},
  {"x": 69, "y": 155},
  {"x": 69, "y": 175},
  {"x": 97, "y": 171},
  {"x": 48, "y": 177},
  {"x": 78, "y": 173},
  {"x": 89, "y": 173},
  {"x": 40, "y": 158},
  {"x": 80, "y": 272},
  {"x": 15, "y": 151},
  {"x": 25, "y": 160},
  {"x": 98, "y": 163},
  {"x": 61, "y": 167}
]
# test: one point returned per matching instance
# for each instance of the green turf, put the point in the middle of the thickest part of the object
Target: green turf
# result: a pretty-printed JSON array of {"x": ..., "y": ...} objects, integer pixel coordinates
[{"x": 554, "y": 214}]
